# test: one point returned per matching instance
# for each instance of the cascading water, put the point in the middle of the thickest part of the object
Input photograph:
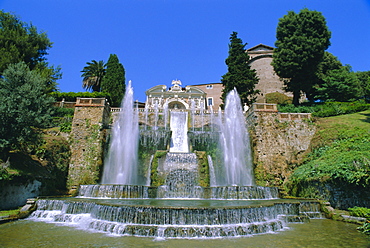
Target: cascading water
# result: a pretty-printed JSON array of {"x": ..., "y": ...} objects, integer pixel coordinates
[
  {"x": 228, "y": 205},
  {"x": 121, "y": 166},
  {"x": 235, "y": 144},
  {"x": 179, "y": 138}
]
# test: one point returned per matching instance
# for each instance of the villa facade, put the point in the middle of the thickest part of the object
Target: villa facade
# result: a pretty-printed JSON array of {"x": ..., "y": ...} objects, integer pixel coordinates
[{"x": 208, "y": 96}]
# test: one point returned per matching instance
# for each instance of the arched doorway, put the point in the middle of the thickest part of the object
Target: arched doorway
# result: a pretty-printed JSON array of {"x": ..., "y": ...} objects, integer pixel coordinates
[{"x": 177, "y": 105}]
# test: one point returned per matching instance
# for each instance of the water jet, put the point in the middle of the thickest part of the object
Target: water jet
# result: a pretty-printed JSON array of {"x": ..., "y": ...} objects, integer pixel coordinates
[{"x": 191, "y": 180}]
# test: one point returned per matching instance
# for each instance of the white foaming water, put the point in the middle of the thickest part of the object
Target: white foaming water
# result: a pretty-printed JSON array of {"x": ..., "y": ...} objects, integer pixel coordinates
[
  {"x": 179, "y": 128},
  {"x": 235, "y": 144},
  {"x": 121, "y": 167}
]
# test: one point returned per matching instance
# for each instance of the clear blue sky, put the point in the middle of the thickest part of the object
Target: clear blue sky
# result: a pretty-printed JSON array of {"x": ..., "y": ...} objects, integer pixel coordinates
[{"x": 161, "y": 40}]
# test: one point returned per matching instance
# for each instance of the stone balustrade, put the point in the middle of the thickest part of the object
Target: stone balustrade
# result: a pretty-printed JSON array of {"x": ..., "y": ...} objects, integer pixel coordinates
[
  {"x": 264, "y": 107},
  {"x": 94, "y": 102},
  {"x": 294, "y": 116}
]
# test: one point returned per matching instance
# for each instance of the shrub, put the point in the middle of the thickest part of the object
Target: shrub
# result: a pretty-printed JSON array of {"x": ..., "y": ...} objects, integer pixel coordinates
[
  {"x": 71, "y": 96},
  {"x": 359, "y": 212},
  {"x": 278, "y": 98},
  {"x": 362, "y": 212},
  {"x": 326, "y": 109},
  {"x": 63, "y": 112}
]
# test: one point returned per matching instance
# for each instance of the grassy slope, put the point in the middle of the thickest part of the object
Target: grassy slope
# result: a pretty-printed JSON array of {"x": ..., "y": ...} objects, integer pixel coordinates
[{"x": 340, "y": 151}]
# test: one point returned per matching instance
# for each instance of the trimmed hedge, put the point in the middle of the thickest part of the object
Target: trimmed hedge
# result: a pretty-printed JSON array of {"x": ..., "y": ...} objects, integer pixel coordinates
[
  {"x": 71, "y": 96},
  {"x": 326, "y": 109}
]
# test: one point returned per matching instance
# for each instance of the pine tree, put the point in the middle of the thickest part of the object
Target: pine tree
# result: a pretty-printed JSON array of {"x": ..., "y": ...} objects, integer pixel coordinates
[
  {"x": 114, "y": 80},
  {"x": 239, "y": 75}
]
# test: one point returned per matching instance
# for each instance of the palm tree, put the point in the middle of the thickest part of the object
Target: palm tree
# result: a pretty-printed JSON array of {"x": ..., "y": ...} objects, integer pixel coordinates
[{"x": 93, "y": 74}]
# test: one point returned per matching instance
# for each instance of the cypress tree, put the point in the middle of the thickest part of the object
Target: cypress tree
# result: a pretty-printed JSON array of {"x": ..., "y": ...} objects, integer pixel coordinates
[
  {"x": 239, "y": 75},
  {"x": 114, "y": 80}
]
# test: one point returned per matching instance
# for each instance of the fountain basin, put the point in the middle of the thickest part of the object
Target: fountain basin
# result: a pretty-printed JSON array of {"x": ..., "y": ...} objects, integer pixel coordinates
[
  {"x": 175, "y": 218},
  {"x": 137, "y": 191}
]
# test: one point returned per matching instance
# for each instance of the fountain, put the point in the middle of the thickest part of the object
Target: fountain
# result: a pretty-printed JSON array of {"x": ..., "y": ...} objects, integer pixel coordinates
[
  {"x": 183, "y": 184},
  {"x": 121, "y": 165}
]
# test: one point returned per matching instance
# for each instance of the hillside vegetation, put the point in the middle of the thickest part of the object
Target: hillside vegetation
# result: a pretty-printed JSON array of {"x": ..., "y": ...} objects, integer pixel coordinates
[{"x": 339, "y": 161}]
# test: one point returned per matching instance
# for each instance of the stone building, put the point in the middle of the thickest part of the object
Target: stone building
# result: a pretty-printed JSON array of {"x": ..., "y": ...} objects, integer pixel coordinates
[
  {"x": 208, "y": 96},
  {"x": 213, "y": 94},
  {"x": 176, "y": 97},
  {"x": 269, "y": 82}
]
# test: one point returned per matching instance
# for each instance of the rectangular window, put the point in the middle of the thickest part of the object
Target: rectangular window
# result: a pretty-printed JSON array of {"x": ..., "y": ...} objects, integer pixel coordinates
[
  {"x": 209, "y": 87},
  {"x": 210, "y": 101}
]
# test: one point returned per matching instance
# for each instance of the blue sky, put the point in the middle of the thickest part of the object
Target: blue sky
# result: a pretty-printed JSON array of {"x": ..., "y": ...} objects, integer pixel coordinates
[{"x": 158, "y": 41}]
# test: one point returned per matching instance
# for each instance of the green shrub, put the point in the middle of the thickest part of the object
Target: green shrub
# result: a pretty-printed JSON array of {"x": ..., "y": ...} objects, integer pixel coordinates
[
  {"x": 63, "y": 112},
  {"x": 360, "y": 212},
  {"x": 345, "y": 161},
  {"x": 325, "y": 109},
  {"x": 365, "y": 228},
  {"x": 278, "y": 98},
  {"x": 66, "y": 127}
]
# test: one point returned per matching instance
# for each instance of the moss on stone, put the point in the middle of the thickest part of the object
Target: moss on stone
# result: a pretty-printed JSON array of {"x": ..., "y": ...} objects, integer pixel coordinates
[
  {"x": 203, "y": 168},
  {"x": 155, "y": 179}
]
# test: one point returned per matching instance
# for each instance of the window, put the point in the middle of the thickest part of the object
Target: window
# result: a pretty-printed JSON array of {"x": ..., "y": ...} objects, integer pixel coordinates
[
  {"x": 209, "y": 87},
  {"x": 210, "y": 101}
]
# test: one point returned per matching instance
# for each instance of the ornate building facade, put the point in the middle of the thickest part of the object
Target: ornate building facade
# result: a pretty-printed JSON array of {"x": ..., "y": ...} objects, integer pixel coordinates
[
  {"x": 208, "y": 96},
  {"x": 175, "y": 97}
]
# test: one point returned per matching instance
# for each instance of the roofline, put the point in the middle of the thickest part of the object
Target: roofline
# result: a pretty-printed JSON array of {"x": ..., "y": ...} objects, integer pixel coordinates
[
  {"x": 266, "y": 46},
  {"x": 203, "y": 84}
]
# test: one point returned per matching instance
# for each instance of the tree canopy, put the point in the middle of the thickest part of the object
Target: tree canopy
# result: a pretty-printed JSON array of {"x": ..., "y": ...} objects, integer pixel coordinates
[
  {"x": 364, "y": 81},
  {"x": 301, "y": 42},
  {"x": 114, "y": 80},
  {"x": 239, "y": 76},
  {"x": 19, "y": 42},
  {"x": 92, "y": 75},
  {"x": 339, "y": 85},
  {"x": 24, "y": 107}
]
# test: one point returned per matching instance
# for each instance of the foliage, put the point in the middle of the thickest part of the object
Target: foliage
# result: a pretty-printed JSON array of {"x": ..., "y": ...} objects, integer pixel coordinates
[
  {"x": 24, "y": 107},
  {"x": 155, "y": 179},
  {"x": 63, "y": 117},
  {"x": 93, "y": 75},
  {"x": 66, "y": 127},
  {"x": 239, "y": 75},
  {"x": 365, "y": 228},
  {"x": 10, "y": 212},
  {"x": 19, "y": 42},
  {"x": 339, "y": 85},
  {"x": 57, "y": 153},
  {"x": 114, "y": 80},
  {"x": 360, "y": 212},
  {"x": 4, "y": 174},
  {"x": 325, "y": 109},
  {"x": 328, "y": 63},
  {"x": 340, "y": 155},
  {"x": 71, "y": 96},
  {"x": 301, "y": 41},
  {"x": 278, "y": 98},
  {"x": 204, "y": 177},
  {"x": 364, "y": 81},
  {"x": 63, "y": 112}
]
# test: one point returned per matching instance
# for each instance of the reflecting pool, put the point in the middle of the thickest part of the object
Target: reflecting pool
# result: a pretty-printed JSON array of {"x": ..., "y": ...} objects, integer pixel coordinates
[{"x": 317, "y": 233}]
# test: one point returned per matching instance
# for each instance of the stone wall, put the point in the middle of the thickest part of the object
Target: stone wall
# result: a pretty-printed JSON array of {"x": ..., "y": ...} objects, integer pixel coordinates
[
  {"x": 15, "y": 193},
  {"x": 279, "y": 143},
  {"x": 88, "y": 138}
]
